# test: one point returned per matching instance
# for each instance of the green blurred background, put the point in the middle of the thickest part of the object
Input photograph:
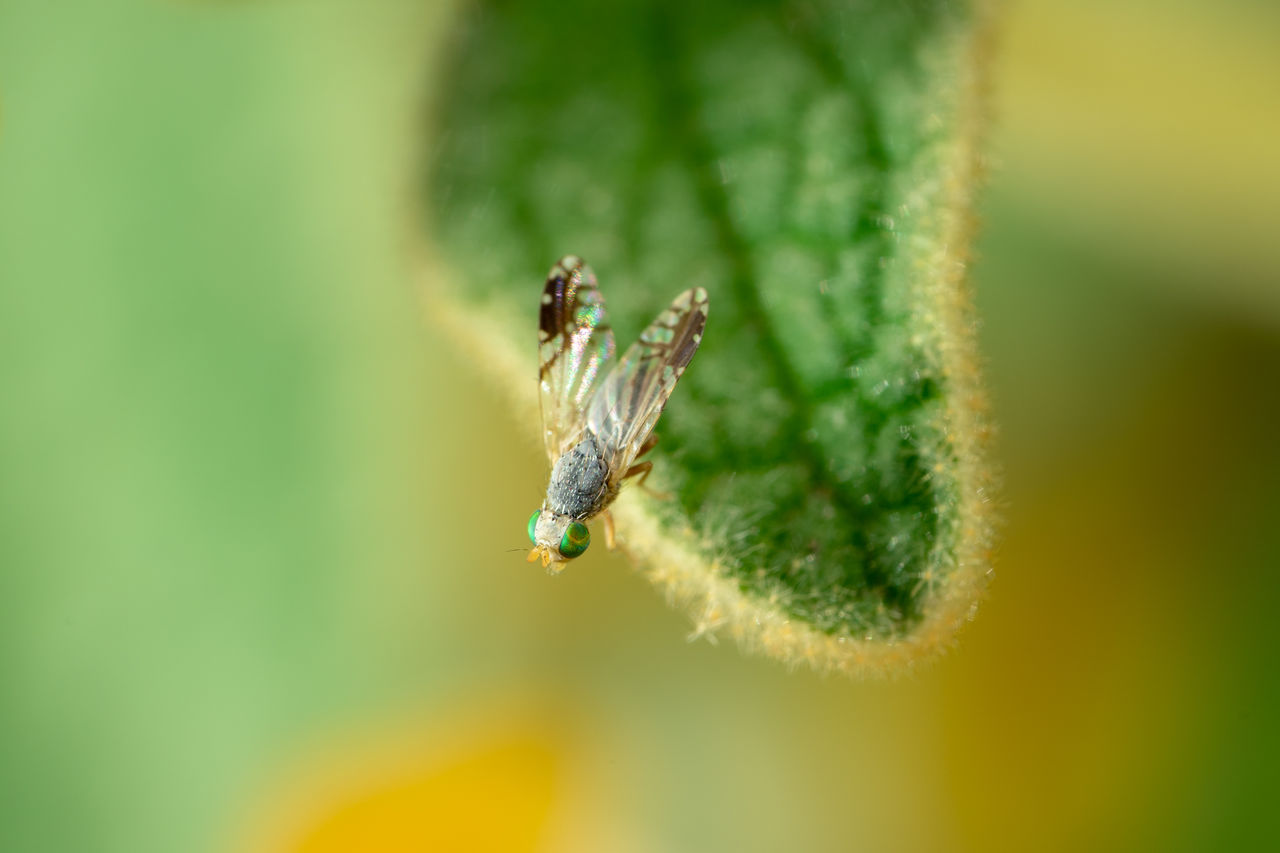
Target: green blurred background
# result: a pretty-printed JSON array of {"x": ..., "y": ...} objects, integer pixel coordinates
[{"x": 254, "y": 514}]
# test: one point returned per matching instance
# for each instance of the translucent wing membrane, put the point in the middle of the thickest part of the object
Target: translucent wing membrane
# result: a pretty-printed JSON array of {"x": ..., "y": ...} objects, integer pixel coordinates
[
  {"x": 575, "y": 345},
  {"x": 626, "y": 407}
]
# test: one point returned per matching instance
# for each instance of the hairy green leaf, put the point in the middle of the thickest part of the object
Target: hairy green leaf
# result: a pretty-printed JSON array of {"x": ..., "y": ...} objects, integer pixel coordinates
[{"x": 810, "y": 164}]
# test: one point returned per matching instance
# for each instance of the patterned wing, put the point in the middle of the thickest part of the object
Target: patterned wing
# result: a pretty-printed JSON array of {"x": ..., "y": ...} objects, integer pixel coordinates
[
  {"x": 575, "y": 344},
  {"x": 623, "y": 412}
]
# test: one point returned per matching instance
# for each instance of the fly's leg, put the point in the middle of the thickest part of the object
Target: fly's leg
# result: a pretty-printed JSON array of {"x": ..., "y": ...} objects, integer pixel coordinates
[
  {"x": 649, "y": 444},
  {"x": 609, "y": 540},
  {"x": 641, "y": 471}
]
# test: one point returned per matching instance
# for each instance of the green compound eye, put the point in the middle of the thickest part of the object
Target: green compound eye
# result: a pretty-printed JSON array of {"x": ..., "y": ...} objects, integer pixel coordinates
[
  {"x": 533, "y": 524},
  {"x": 575, "y": 540}
]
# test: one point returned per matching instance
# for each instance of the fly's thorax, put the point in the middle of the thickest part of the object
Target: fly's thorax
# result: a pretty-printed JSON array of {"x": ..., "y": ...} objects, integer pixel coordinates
[{"x": 579, "y": 486}]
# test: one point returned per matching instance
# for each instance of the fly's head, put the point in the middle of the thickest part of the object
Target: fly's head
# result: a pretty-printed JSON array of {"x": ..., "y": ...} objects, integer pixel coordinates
[{"x": 556, "y": 539}]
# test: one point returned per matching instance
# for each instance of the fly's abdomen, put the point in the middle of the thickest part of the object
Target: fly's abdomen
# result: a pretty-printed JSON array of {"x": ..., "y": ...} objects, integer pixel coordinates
[{"x": 579, "y": 482}]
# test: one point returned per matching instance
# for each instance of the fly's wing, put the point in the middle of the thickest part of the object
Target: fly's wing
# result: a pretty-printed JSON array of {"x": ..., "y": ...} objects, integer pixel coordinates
[
  {"x": 575, "y": 344},
  {"x": 626, "y": 407}
]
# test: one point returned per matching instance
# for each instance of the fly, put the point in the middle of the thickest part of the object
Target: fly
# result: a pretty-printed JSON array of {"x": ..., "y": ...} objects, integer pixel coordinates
[{"x": 598, "y": 414}]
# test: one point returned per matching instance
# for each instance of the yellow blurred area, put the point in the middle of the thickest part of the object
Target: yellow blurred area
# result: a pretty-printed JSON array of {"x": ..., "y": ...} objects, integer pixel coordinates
[
  {"x": 494, "y": 799},
  {"x": 509, "y": 773},
  {"x": 255, "y": 515}
]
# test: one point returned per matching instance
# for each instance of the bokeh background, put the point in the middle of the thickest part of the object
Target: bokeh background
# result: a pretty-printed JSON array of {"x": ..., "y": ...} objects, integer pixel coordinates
[{"x": 255, "y": 591}]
